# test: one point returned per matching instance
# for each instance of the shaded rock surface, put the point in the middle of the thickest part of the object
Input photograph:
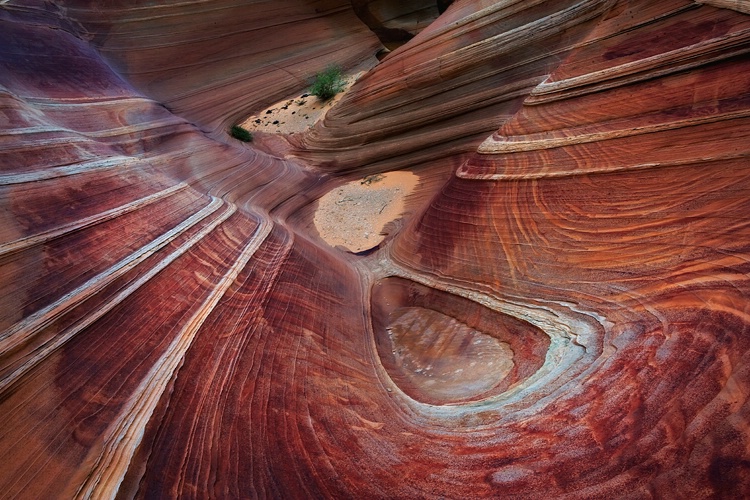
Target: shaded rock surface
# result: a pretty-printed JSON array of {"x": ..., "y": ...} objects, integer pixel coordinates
[{"x": 172, "y": 325}]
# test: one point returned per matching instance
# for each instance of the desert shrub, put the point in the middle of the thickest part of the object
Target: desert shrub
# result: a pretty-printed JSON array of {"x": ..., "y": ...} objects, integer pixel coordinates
[
  {"x": 328, "y": 83},
  {"x": 240, "y": 133}
]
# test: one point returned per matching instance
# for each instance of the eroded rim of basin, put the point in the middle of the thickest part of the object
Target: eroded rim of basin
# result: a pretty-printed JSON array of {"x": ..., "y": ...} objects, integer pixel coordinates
[{"x": 442, "y": 349}]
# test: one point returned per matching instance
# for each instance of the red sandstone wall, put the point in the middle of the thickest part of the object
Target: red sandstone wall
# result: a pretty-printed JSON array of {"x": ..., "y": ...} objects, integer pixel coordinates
[
  {"x": 213, "y": 63},
  {"x": 171, "y": 327}
]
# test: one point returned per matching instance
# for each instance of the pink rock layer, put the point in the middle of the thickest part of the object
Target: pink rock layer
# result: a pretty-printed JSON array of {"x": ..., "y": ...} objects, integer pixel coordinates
[{"x": 172, "y": 326}]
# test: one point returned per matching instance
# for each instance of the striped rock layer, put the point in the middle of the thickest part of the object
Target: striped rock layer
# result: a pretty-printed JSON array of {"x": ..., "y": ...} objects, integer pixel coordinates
[{"x": 561, "y": 312}]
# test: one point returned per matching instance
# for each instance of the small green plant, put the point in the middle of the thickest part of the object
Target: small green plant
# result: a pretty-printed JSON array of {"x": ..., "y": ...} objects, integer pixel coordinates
[
  {"x": 328, "y": 83},
  {"x": 240, "y": 133}
]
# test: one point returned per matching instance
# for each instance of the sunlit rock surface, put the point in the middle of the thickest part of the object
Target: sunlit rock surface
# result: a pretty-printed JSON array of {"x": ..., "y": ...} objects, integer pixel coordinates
[{"x": 561, "y": 310}]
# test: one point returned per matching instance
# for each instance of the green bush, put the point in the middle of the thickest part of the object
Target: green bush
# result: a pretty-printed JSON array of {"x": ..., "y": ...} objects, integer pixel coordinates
[
  {"x": 328, "y": 83},
  {"x": 240, "y": 133}
]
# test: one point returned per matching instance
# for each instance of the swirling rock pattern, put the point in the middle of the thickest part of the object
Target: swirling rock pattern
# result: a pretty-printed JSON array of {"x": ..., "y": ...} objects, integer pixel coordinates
[{"x": 561, "y": 312}]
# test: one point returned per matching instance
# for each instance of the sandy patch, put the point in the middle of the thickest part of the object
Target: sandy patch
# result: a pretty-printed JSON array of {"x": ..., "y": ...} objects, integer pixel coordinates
[
  {"x": 354, "y": 215},
  {"x": 297, "y": 113}
]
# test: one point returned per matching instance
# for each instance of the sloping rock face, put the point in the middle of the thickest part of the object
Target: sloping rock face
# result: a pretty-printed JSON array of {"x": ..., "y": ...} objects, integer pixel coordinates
[
  {"x": 395, "y": 21},
  {"x": 211, "y": 63},
  {"x": 562, "y": 311}
]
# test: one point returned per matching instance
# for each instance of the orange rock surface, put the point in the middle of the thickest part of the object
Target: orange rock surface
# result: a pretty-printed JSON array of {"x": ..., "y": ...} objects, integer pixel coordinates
[{"x": 561, "y": 311}]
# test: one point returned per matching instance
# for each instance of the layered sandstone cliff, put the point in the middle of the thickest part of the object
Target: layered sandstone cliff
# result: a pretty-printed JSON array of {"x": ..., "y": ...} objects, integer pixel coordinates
[{"x": 561, "y": 310}]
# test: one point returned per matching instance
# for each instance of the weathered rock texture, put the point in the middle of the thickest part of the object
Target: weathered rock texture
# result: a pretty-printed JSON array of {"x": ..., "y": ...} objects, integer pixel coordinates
[
  {"x": 562, "y": 312},
  {"x": 396, "y": 21}
]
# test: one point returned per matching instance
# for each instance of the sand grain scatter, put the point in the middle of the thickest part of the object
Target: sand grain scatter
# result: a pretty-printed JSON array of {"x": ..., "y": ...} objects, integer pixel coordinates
[
  {"x": 354, "y": 215},
  {"x": 300, "y": 112}
]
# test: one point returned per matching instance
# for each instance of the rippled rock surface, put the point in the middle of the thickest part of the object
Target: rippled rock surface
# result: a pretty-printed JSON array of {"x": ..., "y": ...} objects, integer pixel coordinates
[{"x": 561, "y": 311}]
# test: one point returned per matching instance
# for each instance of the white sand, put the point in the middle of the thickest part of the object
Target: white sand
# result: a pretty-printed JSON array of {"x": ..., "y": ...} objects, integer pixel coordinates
[
  {"x": 354, "y": 215},
  {"x": 296, "y": 113}
]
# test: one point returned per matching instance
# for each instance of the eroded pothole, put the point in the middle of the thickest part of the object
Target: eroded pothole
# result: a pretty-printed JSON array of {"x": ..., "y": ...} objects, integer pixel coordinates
[{"x": 443, "y": 349}]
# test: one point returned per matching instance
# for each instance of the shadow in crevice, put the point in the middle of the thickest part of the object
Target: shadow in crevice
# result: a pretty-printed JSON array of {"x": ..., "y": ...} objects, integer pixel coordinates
[{"x": 395, "y": 22}]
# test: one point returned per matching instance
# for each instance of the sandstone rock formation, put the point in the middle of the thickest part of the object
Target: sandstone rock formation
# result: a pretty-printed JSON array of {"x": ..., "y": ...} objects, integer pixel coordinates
[
  {"x": 561, "y": 312},
  {"x": 396, "y": 22}
]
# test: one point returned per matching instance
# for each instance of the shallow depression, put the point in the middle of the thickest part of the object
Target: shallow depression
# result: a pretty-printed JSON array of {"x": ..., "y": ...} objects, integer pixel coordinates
[
  {"x": 443, "y": 349},
  {"x": 354, "y": 215},
  {"x": 445, "y": 356}
]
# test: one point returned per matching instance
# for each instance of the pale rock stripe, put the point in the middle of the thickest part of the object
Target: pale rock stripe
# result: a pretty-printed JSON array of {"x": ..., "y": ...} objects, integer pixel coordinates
[
  {"x": 42, "y": 352},
  {"x": 39, "y": 238},
  {"x": 85, "y": 102},
  {"x": 495, "y": 146},
  {"x": 738, "y": 5},
  {"x": 665, "y": 63},
  {"x": 126, "y": 433},
  {"x": 65, "y": 170},
  {"x": 29, "y": 326},
  {"x": 126, "y": 129},
  {"x": 463, "y": 171}
]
